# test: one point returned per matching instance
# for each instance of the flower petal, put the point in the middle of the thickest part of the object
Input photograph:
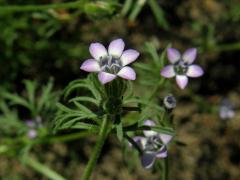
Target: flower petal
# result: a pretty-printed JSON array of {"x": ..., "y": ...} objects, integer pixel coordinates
[
  {"x": 194, "y": 71},
  {"x": 116, "y": 47},
  {"x": 165, "y": 138},
  {"x": 189, "y": 55},
  {"x": 168, "y": 71},
  {"x": 127, "y": 73},
  {"x": 129, "y": 56},
  {"x": 149, "y": 133},
  {"x": 182, "y": 81},
  {"x": 97, "y": 50},
  {"x": 148, "y": 160},
  {"x": 162, "y": 153},
  {"x": 139, "y": 140},
  {"x": 173, "y": 55},
  {"x": 90, "y": 65},
  {"x": 106, "y": 77}
]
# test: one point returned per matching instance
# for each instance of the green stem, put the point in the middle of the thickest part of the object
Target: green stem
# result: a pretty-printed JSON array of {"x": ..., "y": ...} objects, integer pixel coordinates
[
  {"x": 20, "y": 8},
  {"x": 137, "y": 8},
  {"x": 165, "y": 169},
  {"x": 69, "y": 137},
  {"x": 27, "y": 160},
  {"x": 103, "y": 133}
]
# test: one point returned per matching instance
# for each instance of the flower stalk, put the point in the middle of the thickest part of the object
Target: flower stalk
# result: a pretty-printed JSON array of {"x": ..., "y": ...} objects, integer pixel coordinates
[
  {"x": 165, "y": 169},
  {"x": 103, "y": 133}
]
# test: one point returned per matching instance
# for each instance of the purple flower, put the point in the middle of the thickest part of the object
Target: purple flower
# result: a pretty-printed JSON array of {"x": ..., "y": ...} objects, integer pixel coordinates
[
  {"x": 32, "y": 133},
  {"x": 181, "y": 66},
  {"x": 33, "y": 125},
  {"x": 226, "y": 110},
  {"x": 153, "y": 145},
  {"x": 30, "y": 123},
  {"x": 112, "y": 62}
]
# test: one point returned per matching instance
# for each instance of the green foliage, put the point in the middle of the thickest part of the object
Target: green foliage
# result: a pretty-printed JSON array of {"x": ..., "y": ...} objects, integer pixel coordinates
[
  {"x": 85, "y": 111},
  {"x": 10, "y": 123},
  {"x": 151, "y": 70},
  {"x": 36, "y": 39},
  {"x": 38, "y": 104},
  {"x": 134, "y": 8}
]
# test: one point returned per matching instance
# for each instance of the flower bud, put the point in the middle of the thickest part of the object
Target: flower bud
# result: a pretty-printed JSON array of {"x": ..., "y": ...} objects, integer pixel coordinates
[{"x": 169, "y": 102}]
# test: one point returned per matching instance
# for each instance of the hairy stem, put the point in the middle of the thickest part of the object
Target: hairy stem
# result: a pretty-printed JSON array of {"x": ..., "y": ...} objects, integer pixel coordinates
[{"x": 103, "y": 133}]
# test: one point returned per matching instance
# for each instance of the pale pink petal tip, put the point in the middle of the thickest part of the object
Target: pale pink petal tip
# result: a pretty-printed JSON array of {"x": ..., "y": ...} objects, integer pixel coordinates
[
  {"x": 173, "y": 55},
  {"x": 194, "y": 71},
  {"x": 129, "y": 56},
  {"x": 168, "y": 71},
  {"x": 189, "y": 55},
  {"x": 116, "y": 47},
  {"x": 90, "y": 65},
  {"x": 105, "y": 77},
  {"x": 182, "y": 81},
  {"x": 127, "y": 73},
  {"x": 97, "y": 50},
  {"x": 165, "y": 138}
]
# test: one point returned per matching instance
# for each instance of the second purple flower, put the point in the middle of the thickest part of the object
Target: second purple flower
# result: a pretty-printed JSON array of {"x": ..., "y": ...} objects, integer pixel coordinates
[
  {"x": 112, "y": 62},
  {"x": 181, "y": 66}
]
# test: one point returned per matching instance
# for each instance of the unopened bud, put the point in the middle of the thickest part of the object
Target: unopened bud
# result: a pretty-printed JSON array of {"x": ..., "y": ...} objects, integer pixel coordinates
[{"x": 169, "y": 102}]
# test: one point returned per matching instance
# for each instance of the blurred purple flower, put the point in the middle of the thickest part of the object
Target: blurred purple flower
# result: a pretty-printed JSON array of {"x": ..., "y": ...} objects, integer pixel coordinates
[
  {"x": 32, "y": 133},
  {"x": 181, "y": 66},
  {"x": 153, "y": 145},
  {"x": 33, "y": 125},
  {"x": 226, "y": 110},
  {"x": 30, "y": 123},
  {"x": 112, "y": 62}
]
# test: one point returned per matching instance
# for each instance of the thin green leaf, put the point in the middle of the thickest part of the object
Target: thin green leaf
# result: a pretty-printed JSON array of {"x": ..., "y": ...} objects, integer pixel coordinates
[
  {"x": 137, "y": 9},
  {"x": 31, "y": 88},
  {"x": 83, "y": 108},
  {"x": 159, "y": 14},
  {"x": 80, "y": 125},
  {"x": 85, "y": 99},
  {"x": 16, "y": 100},
  {"x": 153, "y": 52},
  {"x": 46, "y": 90}
]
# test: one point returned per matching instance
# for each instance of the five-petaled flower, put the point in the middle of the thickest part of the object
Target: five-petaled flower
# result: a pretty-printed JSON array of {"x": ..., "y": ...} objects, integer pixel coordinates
[
  {"x": 181, "y": 66},
  {"x": 112, "y": 63},
  {"x": 153, "y": 145}
]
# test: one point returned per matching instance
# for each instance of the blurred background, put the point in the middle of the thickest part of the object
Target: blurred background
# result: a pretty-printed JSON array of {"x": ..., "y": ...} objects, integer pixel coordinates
[{"x": 38, "y": 43}]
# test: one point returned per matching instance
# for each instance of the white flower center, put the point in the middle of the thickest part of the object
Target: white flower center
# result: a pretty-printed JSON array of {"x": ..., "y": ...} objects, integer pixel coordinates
[
  {"x": 153, "y": 143},
  {"x": 110, "y": 64},
  {"x": 180, "y": 67}
]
